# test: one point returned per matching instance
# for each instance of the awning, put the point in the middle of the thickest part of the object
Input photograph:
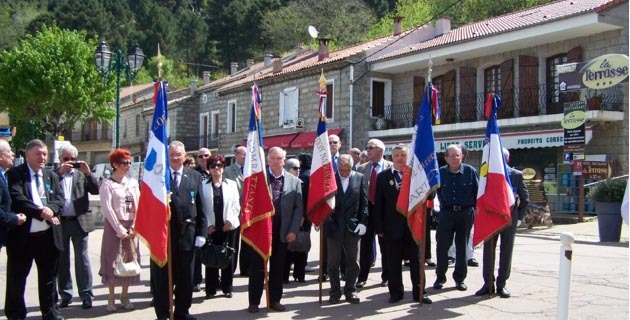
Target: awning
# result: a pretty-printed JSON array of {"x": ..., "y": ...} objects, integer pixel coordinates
[
  {"x": 511, "y": 140},
  {"x": 307, "y": 139},
  {"x": 282, "y": 141}
]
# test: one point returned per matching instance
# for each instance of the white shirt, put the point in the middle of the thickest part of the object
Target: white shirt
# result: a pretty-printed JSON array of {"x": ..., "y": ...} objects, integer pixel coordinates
[
  {"x": 345, "y": 181},
  {"x": 36, "y": 224},
  {"x": 180, "y": 172},
  {"x": 68, "y": 206}
]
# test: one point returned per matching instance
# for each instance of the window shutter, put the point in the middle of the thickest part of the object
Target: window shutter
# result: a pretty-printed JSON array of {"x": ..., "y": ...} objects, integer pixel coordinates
[
  {"x": 281, "y": 108},
  {"x": 528, "y": 85},
  {"x": 448, "y": 98},
  {"x": 419, "y": 84},
  {"x": 507, "y": 89},
  {"x": 294, "y": 95},
  {"x": 467, "y": 94}
]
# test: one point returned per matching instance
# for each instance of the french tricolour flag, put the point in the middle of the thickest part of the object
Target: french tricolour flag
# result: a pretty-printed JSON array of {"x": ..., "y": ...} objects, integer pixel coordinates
[
  {"x": 494, "y": 196},
  {"x": 323, "y": 185},
  {"x": 153, "y": 210}
]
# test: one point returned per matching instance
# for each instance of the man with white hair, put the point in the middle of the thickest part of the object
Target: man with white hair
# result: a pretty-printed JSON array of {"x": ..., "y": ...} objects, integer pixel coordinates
[
  {"x": 376, "y": 164},
  {"x": 77, "y": 222},
  {"x": 8, "y": 219}
]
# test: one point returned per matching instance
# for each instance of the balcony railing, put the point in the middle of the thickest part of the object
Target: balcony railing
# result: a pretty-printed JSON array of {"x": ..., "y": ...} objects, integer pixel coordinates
[
  {"x": 209, "y": 141},
  {"x": 523, "y": 102}
]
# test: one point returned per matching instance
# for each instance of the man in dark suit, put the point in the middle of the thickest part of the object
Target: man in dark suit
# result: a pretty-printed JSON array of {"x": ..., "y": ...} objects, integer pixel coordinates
[
  {"x": 8, "y": 219},
  {"x": 188, "y": 229},
  {"x": 286, "y": 191},
  {"x": 344, "y": 229},
  {"x": 521, "y": 197},
  {"x": 36, "y": 192},
  {"x": 376, "y": 164},
  {"x": 202, "y": 159},
  {"x": 391, "y": 226},
  {"x": 76, "y": 223},
  {"x": 235, "y": 172}
]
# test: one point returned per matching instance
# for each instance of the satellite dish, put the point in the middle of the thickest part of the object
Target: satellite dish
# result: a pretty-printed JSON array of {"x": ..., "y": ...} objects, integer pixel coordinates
[{"x": 313, "y": 32}]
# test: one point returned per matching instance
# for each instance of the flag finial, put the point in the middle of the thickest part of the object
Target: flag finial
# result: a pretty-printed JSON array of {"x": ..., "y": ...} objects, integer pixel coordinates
[
  {"x": 430, "y": 69},
  {"x": 159, "y": 64},
  {"x": 322, "y": 81}
]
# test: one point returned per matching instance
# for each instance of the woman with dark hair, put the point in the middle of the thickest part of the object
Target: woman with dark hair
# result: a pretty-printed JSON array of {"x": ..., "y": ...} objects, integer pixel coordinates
[
  {"x": 221, "y": 203},
  {"x": 119, "y": 202}
]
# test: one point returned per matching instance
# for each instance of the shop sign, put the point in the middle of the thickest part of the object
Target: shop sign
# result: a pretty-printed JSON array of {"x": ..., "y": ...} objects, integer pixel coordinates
[
  {"x": 529, "y": 173},
  {"x": 573, "y": 123},
  {"x": 598, "y": 170},
  {"x": 599, "y": 73}
]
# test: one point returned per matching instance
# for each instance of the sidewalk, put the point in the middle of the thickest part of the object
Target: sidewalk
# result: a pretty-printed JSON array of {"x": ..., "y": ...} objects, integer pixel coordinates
[{"x": 599, "y": 287}]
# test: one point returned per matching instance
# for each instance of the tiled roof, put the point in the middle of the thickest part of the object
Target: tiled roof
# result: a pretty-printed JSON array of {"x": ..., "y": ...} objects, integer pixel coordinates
[{"x": 529, "y": 17}]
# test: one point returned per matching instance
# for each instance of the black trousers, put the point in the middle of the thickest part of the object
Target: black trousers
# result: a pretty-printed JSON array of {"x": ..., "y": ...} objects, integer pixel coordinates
[
  {"x": 182, "y": 280},
  {"x": 451, "y": 224},
  {"x": 366, "y": 251},
  {"x": 397, "y": 250},
  {"x": 276, "y": 272},
  {"x": 505, "y": 256},
  {"x": 245, "y": 256},
  {"x": 41, "y": 248}
]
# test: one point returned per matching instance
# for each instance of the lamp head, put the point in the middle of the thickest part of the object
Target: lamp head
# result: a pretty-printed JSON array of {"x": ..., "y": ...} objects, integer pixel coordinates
[
  {"x": 102, "y": 57},
  {"x": 135, "y": 58}
]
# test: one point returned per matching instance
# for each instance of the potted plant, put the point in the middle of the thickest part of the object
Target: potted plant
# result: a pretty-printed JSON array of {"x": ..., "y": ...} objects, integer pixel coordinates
[{"x": 608, "y": 195}]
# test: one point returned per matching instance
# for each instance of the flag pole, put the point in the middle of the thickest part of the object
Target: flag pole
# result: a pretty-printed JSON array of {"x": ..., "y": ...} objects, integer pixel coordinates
[
  {"x": 423, "y": 244},
  {"x": 266, "y": 275},
  {"x": 170, "y": 273},
  {"x": 492, "y": 244},
  {"x": 321, "y": 244}
]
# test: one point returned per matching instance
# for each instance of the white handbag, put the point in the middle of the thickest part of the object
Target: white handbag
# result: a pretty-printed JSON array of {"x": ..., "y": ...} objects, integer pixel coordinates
[{"x": 126, "y": 269}]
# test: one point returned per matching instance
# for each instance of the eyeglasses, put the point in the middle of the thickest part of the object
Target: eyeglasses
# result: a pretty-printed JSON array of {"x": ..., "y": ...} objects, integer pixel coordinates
[
  {"x": 333, "y": 142},
  {"x": 370, "y": 147},
  {"x": 216, "y": 165},
  {"x": 296, "y": 168},
  {"x": 201, "y": 156},
  {"x": 69, "y": 159},
  {"x": 125, "y": 163}
]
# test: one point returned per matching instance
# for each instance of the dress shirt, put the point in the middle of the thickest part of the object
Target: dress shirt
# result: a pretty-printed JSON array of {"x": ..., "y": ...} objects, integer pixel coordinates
[
  {"x": 345, "y": 181},
  {"x": 180, "y": 173},
  {"x": 458, "y": 188},
  {"x": 66, "y": 183},
  {"x": 36, "y": 224}
]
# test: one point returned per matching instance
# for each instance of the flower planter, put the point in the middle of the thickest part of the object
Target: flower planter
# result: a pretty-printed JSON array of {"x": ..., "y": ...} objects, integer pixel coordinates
[{"x": 609, "y": 221}]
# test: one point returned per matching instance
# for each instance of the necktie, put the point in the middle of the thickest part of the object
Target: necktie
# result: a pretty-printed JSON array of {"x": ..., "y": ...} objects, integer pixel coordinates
[
  {"x": 334, "y": 163},
  {"x": 174, "y": 184},
  {"x": 397, "y": 177},
  {"x": 372, "y": 195},
  {"x": 241, "y": 170},
  {"x": 276, "y": 188},
  {"x": 40, "y": 187}
]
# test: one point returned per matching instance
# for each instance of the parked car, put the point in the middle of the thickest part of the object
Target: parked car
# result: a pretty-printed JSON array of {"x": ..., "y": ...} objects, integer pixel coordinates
[{"x": 104, "y": 170}]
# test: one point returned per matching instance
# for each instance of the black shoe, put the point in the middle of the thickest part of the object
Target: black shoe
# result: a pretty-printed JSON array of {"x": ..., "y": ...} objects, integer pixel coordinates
[
  {"x": 334, "y": 300},
  {"x": 426, "y": 300},
  {"x": 252, "y": 309},
  {"x": 438, "y": 284},
  {"x": 395, "y": 299},
  {"x": 87, "y": 304},
  {"x": 228, "y": 294},
  {"x": 473, "y": 262},
  {"x": 360, "y": 284},
  {"x": 461, "y": 286},
  {"x": 484, "y": 291},
  {"x": 277, "y": 306},
  {"x": 384, "y": 283},
  {"x": 64, "y": 303},
  {"x": 451, "y": 261},
  {"x": 353, "y": 299},
  {"x": 210, "y": 295},
  {"x": 504, "y": 293},
  {"x": 430, "y": 263},
  {"x": 197, "y": 288}
]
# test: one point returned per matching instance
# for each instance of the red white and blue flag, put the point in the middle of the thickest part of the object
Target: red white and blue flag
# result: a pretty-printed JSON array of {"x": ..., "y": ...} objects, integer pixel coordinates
[
  {"x": 153, "y": 210},
  {"x": 422, "y": 173},
  {"x": 323, "y": 185},
  {"x": 257, "y": 208},
  {"x": 494, "y": 196}
]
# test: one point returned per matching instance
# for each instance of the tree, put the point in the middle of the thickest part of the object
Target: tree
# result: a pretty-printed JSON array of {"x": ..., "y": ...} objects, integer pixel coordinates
[{"x": 50, "y": 78}]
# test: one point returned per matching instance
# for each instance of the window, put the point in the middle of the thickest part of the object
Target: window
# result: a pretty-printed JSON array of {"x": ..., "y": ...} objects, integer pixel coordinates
[
  {"x": 381, "y": 96},
  {"x": 553, "y": 89},
  {"x": 214, "y": 125},
  {"x": 231, "y": 116},
  {"x": 492, "y": 79},
  {"x": 288, "y": 111},
  {"x": 330, "y": 101},
  {"x": 137, "y": 125},
  {"x": 204, "y": 130},
  {"x": 105, "y": 132}
]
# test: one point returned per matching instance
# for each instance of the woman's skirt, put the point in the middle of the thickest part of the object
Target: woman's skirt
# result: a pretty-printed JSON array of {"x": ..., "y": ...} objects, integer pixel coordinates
[{"x": 109, "y": 252}]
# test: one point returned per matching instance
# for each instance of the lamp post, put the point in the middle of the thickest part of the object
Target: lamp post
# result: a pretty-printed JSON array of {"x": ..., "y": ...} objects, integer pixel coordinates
[{"x": 106, "y": 63}]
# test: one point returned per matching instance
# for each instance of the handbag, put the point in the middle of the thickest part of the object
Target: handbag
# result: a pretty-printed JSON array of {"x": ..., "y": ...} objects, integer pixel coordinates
[
  {"x": 126, "y": 269},
  {"x": 302, "y": 242},
  {"x": 217, "y": 256}
]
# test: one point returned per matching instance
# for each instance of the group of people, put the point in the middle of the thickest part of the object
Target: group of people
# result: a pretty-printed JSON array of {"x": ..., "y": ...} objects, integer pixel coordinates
[{"x": 42, "y": 210}]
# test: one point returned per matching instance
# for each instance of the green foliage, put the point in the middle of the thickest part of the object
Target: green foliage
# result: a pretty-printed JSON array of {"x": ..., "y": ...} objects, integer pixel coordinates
[
  {"x": 609, "y": 190},
  {"x": 15, "y": 16},
  {"x": 414, "y": 13},
  {"x": 50, "y": 78}
]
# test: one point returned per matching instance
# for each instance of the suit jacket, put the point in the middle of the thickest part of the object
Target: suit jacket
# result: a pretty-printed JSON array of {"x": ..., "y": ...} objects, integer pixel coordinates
[
  {"x": 349, "y": 205},
  {"x": 8, "y": 219},
  {"x": 520, "y": 193},
  {"x": 233, "y": 172},
  {"x": 231, "y": 203},
  {"x": 388, "y": 220},
  {"x": 188, "y": 219},
  {"x": 292, "y": 206},
  {"x": 19, "y": 179},
  {"x": 82, "y": 186}
]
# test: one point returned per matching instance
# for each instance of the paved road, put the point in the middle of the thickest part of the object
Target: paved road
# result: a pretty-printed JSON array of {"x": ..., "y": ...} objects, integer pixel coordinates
[{"x": 599, "y": 288}]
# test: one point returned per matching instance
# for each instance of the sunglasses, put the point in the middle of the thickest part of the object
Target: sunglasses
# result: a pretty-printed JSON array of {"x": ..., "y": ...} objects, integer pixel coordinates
[
  {"x": 69, "y": 159},
  {"x": 125, "y": 163},
  {"x": 333, "y": 142},
  {"x": 296, "y": 168},
  {"x": 201, "y": 156},
  {"x": 214, "y": 166},
  {"x": 370, "y": 147}
]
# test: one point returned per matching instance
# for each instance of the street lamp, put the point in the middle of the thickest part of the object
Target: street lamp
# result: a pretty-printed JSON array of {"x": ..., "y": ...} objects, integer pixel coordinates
[{"x": 105, "y": 64}]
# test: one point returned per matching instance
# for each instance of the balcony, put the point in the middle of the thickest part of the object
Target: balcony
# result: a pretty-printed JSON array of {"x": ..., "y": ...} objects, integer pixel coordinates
[
  {"x": 209, "y": 141},
  {"x": 517, "y": 103}
]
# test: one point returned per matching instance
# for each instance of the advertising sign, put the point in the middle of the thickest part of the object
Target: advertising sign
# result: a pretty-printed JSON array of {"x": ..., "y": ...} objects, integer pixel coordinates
[
  {"x": 598, "y": 170},
  {"x": 599, "y": 73}
]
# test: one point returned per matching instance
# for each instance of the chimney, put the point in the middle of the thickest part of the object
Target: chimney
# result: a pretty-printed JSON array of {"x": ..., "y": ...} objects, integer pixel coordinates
[
  {"x": 206, "y": 77},
  {"x": 193, "y": 86},
  {"x": 233, "y": 67},
  {"x": 298, "y": 49},
  {"x": 277, "y": 65},
  {"x": 442, "y": 26},
  {"x": 397, "y": 25},
  {"x": 250, "y": 62},
  {"x": 323, "y": 49},
  {"x": 267, "y": 59}
]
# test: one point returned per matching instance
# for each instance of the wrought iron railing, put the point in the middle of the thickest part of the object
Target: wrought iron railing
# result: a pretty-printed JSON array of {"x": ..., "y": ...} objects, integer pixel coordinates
[
  {"x": 209, "y": 141},
  {"x": 520, "y": 102}
]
